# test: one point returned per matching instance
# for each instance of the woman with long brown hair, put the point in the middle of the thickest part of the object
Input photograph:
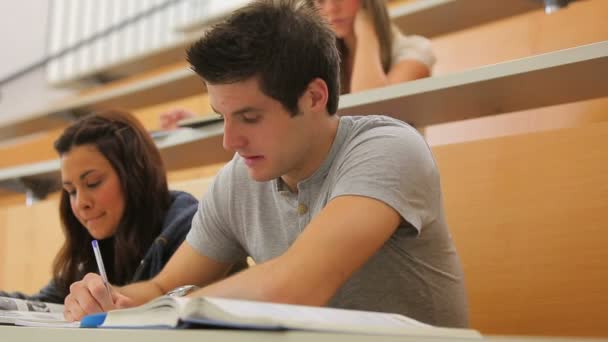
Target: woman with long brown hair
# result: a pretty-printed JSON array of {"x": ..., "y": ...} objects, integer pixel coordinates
[{"x": 115, "y": 191}]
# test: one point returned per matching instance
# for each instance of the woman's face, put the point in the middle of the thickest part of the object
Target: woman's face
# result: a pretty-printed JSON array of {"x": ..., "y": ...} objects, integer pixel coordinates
[
  {"x": 340, "y": 14},
  {"x": 94, "y": 190}
]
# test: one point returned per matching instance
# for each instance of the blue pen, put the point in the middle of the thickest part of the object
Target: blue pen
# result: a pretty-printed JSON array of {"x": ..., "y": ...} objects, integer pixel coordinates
[{"x": 102, "y": 269}]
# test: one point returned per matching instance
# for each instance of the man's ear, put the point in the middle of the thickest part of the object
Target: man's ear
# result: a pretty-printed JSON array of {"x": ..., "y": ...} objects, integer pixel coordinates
[{"x": 317, "y": 95}]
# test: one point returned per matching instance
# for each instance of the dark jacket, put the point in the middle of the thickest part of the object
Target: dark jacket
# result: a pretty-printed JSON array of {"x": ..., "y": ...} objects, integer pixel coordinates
[{"x": 175, "y": 228}]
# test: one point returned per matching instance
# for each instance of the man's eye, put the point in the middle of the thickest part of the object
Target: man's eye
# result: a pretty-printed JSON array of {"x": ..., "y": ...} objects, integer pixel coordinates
[{"x": 251, "y": 118}]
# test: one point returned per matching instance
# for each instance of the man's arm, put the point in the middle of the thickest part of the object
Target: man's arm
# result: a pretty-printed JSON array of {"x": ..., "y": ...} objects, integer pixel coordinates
[
  {"x": 186, "y": 266},
  {"x": 336, "y": 243}
]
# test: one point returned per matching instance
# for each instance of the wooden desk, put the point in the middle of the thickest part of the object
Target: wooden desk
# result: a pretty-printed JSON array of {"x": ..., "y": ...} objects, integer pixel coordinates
[
  {"x": 547, "y": 79},
  {"x": 10, "y": 333},
  {"x": 432, "y": 18}
]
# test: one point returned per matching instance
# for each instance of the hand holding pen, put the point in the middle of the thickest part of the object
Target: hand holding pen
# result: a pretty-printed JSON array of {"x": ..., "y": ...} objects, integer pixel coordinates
[
  {"x": 93, "y": 293},
  {"x": 101, "y": 267},
  {"x": 114, "y": 297}
]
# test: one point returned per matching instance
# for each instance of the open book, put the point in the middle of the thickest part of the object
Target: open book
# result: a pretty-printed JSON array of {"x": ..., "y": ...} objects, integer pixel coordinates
[
  {"x": 208, "y": 312},
  {"x": 26, "y": 312}
]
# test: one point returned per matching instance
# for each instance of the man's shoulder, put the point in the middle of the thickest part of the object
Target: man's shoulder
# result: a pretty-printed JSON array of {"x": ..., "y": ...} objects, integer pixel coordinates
[
  {"x": 371, "y": 121},
  {"x": 376, "y": 128},
  {"x": 383, "y": 140}
]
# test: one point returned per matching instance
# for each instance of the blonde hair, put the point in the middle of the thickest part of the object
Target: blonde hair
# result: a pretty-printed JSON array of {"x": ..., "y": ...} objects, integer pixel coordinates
[
  {"x": 381, "y": 21},
  {"x": 384, "y": 29}
]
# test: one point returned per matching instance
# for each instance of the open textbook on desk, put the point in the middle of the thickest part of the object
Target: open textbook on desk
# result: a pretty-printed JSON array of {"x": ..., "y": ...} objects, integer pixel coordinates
[
  {"x": 209, "y": 312},
  {"x": 26, "y": 312}
]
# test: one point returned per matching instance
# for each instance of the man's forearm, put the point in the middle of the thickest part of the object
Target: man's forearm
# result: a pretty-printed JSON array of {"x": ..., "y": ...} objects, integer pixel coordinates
[{"x": 272, "y": 281}]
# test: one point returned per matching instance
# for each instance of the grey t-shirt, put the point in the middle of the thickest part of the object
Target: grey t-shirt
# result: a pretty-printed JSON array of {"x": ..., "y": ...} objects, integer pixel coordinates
[{"x": 416, "y": 273}]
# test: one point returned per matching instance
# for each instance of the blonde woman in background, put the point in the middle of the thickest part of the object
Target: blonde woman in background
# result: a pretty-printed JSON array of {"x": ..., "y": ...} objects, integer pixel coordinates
[{"x": 374, "y": 52}]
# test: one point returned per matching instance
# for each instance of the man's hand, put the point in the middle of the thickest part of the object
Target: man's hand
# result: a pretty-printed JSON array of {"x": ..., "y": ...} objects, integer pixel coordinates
[{"x": 90, "y": 295}]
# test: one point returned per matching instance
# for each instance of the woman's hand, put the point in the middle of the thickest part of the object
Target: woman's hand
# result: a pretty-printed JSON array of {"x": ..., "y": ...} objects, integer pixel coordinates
[
  {"x": 90, "y": 295},
  {"x": 364, "y": 26},
  {"x": 169, "y": 119},
  {"x": 367, "y": 71}
]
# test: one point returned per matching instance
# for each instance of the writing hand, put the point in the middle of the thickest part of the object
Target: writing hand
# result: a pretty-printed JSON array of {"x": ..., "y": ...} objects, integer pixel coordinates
[{"x": 90, "y": 295}]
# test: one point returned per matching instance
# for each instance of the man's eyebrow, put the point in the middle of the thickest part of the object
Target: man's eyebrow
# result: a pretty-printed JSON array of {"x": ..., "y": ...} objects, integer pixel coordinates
[{"x": 241, "y": 111}]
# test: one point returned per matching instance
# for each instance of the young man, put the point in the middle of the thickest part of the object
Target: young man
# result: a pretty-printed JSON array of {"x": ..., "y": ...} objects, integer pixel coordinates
[{"x": 344, "y": 212}]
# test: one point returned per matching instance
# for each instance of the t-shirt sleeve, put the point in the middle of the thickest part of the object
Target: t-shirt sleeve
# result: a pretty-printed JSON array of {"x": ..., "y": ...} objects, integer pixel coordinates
[
  {"x": 393, "y": 165},
  {"x": 413, "y": 47},
  {"x": 211, "y": 233}
]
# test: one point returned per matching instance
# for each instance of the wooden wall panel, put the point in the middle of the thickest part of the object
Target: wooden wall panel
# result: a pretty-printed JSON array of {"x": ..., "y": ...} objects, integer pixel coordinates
[
  {"x": 8, "y": 198},
  {"x": 542, "y": 119},
  {"x": 32, "y": 238},
  {"x": 196, "y": 187},
  {"x": 38, "y": 148},
  {"x": 198, "y": 104},
  {"x": 3, "y": 242},
  {"x": 177, "y": 176},
  {"x": 582, "y": 22},
  {"x": 528, "y": 215}
]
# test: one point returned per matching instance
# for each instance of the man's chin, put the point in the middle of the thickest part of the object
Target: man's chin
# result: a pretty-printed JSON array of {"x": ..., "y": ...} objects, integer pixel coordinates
[{"x": 260, "y": 176}]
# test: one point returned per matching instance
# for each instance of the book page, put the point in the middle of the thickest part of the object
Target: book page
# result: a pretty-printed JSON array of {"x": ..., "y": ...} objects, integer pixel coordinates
[
  {"x": 299, "y": 317},
  {"x": 309, "y": 314},
  {"x": 15, "y": 304},
  {"x": 162, "y": 311},
  {"x": 46, "y": 323},
  {"x": 13, "y": 310},
  {"x": 11, "y": 317}
]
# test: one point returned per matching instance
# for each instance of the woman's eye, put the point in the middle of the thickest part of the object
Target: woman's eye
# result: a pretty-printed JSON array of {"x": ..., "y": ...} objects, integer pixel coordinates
[{"x": 93, "y": 184}]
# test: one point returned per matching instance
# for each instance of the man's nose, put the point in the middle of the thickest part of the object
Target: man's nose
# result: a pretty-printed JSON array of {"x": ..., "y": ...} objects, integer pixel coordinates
[{"x": 233, "y": 139}]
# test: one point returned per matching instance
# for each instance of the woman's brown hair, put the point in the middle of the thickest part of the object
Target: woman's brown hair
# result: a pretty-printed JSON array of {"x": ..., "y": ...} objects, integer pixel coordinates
[{"x": 124, "y": 142}]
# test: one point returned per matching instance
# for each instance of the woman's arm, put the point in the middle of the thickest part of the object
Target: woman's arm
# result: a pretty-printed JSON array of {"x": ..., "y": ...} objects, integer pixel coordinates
[{"x": 367, "y": 71}]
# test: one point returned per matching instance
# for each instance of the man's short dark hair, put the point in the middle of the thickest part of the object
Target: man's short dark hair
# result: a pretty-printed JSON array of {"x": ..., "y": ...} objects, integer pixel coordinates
[{"x": 283, "y": 42}]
